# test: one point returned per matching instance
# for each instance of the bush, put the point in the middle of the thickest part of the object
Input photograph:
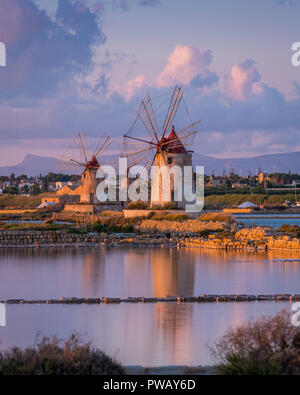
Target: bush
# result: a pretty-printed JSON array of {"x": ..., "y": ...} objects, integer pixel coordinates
[
  {"x": 289, "y": 229},
  {"x": 138, "y": 206},
  {"x": 235, "y": 199},
  {"x": 19, "y": 202},
  {"x": 52, "y": 356},
  {"x": 166, "y": 206},
  {"x": 270, "y": 345},
  {"x": 113, "y": 224},
  {"x": 110, "y": 213},
  {"x": 169, "y": 217},
  {"x": 216, "y": 217}
]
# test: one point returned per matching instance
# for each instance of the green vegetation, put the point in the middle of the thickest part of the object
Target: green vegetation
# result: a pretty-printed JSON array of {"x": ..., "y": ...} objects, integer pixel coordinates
[
  {"x": 50, "y": 356},
  {"x": 138, "y": 206},
  {"x": 229, "y": 200},
  {"x": 29, "y": 226},
  {"x": 268, "y": 346},
  {"x": 165, "y": 216},
  {"x": 292, "y": 230},
  {"x": 216, "y": 217},
  {"x": 19, "y": 202}
]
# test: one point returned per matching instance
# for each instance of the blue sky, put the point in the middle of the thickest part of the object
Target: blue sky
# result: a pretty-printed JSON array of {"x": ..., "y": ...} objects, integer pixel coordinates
[{"x": 77, "y": 65}]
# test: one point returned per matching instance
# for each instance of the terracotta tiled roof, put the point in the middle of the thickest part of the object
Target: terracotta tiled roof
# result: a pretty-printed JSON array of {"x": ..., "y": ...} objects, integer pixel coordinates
[
  {"x": 175, "y": 146},
  {"x": 93, "y": 163}
]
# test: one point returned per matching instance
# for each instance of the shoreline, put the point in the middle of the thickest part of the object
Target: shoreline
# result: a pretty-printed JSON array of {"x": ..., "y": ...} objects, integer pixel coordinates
[{"x": 235, "y": 298}]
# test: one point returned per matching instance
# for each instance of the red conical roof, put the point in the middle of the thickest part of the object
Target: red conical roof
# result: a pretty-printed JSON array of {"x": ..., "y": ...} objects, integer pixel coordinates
[
  {"x": 93, "y": 163},
  {"x": 175, "y": 146}
]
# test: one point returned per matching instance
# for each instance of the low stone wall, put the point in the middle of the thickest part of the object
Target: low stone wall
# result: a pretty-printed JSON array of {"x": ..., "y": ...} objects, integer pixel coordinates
[
  {"x": 49, "y": 238},
  {"x": 63, "y": 238},
  {"x": 25, "y": 238},
  {"x": 283, "y": 243}
]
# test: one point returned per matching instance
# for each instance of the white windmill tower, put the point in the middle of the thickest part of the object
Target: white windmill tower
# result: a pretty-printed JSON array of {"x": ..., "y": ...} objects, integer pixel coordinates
[{"x": 166, "y": 147}]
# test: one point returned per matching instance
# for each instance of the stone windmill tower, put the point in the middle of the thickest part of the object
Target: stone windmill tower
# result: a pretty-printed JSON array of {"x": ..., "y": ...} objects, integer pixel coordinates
[
  {"x": 174, "y": 154},
  {"x": 84, "y": 166},
  {"x": 165, "y": 149},
  {"x": 89, "y": 182}
]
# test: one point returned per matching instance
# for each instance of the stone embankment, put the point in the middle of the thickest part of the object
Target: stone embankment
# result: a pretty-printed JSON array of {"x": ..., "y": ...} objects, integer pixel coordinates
[
  {"x": 253, "y": 239},
  {"x": 168, "y": 299},
  {"x": 32, "y": 238},
  {"x": 63, "y": 238}
]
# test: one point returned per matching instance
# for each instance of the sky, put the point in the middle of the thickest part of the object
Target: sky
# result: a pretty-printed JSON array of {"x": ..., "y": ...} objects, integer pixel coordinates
[{"x": 84, "y": 65}]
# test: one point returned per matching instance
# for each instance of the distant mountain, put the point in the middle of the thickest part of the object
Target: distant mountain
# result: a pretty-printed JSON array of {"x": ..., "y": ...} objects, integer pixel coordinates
[
  {"x": 34, "y": 165},
  {"x": 31, "y": 165},
  {"x": 268, "y": 163}
]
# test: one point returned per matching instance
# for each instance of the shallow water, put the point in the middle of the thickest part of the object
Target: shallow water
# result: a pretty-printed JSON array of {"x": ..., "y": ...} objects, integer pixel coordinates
[
  {"x": 272, "y": 220},
  {"x": 145, "y": 334},
  {"x": 136, "y": 334}
]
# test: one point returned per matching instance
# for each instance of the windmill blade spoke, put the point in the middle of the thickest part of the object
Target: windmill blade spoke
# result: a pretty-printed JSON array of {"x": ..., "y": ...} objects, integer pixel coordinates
[
  {"x": 137, "y": 152},
  {"x": 79, "y": 163},
  {"x": 102, "y": 147},
  {"x": 193, "y": 127},
  {"x": 147, "y": 116},
  {"x": 80, "y": 141},
  {"x": 179, "y": 139},
  {"x": 68, "y": 163},
  {"x": 138, "y": 139},
  {"x": 173, "y": 108}
]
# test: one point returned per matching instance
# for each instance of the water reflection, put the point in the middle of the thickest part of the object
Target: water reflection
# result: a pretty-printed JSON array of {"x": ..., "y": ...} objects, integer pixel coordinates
[
  {"x": 93, "y": 275},
  {"x": 134, "y": 334},
  {"x": 148, "y": 334},
  {"x": 96, "y": 272}
]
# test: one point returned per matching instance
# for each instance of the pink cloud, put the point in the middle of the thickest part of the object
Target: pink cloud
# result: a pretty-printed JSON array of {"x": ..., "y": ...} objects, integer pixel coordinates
[
  {"x": 132, "y": 87},
  {"x": 184, "y": 64},
  {"x": 18, "y": 18},
  {"x": 242, "y": 81}
]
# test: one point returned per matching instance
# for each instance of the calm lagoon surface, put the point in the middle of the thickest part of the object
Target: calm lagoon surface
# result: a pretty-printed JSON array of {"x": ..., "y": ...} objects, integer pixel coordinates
[
  {"x": 272, "y": 220},
  {"x": 140, "y": 334}
]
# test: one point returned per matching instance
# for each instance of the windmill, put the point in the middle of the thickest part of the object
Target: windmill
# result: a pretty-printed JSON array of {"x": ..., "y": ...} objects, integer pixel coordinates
[
  {"x": 163, "y": 146},
  {"x": 84, "y": 165}
]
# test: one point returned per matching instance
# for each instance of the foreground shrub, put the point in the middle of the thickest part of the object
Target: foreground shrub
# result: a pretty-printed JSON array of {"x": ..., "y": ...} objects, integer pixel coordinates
[
  {"x": 169, "y": 217},
  {"x": 53, "y": 357},
  {"x": 187, "y": 226},
  {"x": 216, "y": 217},
  {"x": 19, "y": 201},
  {"x": 270, "y": 345},
  {"x": 251, "y": 234},
  {"x": 138, "y": 205},
  {"x": 110, "y": 213},
  {"x": 289, "y": 228}
]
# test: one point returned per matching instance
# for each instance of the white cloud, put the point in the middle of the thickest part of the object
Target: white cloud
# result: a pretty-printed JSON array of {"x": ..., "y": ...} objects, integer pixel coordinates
[
  {"x": 242, "y": 81},
  {"x": 132, "y": 87},
  {"x": 184, "y": 65}
]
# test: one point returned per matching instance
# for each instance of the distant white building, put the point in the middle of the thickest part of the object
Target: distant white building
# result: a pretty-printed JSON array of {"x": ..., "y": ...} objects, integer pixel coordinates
[{"x": 247, "y": 205}]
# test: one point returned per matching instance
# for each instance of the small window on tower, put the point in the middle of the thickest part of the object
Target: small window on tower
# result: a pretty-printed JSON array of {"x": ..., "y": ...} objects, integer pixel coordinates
[{"x": 170, "y": 160}]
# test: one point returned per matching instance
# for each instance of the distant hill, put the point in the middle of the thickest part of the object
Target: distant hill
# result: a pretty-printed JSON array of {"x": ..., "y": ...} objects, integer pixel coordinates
[
  {"x": 31, "y": 165},
  {"x": 268, "y": 163},
  {"x": 34, "y": 165}
]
